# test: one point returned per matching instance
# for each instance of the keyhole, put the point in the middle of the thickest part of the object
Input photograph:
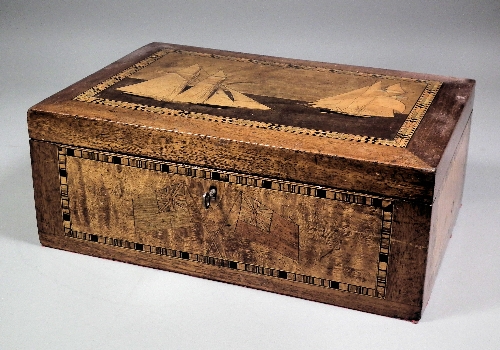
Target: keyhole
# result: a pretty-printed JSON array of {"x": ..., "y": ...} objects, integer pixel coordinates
[{"x": 209, "y": 196}]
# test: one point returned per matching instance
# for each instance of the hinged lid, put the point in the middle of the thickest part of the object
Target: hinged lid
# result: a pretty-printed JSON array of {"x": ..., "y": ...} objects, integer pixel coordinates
[{"x": 358, "y": 129}]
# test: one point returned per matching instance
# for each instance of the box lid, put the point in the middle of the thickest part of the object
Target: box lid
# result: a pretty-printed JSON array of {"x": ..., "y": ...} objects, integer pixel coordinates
[{"x": 359, "y": 129}]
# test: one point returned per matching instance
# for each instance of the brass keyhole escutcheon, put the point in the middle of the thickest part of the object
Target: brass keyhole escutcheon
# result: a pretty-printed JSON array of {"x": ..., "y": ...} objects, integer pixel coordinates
[{"x": 210, "y": 196}]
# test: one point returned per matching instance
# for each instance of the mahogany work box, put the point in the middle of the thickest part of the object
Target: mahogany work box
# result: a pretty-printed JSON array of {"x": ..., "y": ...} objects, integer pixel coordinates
[{"x": 327, "y": 182}]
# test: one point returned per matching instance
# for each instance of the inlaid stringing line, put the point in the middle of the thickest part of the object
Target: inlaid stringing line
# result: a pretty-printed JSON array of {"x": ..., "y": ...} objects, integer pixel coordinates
[{"x": 63, "y": 178}]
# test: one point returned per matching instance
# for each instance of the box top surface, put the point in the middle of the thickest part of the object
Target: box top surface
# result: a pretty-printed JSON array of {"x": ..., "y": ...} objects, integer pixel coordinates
[{"x": 378, "y": 116}]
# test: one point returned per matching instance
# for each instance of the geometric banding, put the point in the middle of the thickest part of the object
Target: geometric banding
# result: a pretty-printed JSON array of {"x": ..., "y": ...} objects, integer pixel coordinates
[{"x": 385, "y": 244}]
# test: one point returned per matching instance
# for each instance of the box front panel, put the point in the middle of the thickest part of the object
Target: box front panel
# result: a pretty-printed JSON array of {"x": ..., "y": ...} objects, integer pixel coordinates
[{"x": 310, "y": 235}]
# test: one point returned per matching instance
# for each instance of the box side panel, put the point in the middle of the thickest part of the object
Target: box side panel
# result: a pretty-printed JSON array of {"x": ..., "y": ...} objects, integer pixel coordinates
[
  {"x": 409, "y": 247},
  {"x": 445, "y": 210},
  {"x": 45, "y": 171},
  {"x": 335, "y": 249}
]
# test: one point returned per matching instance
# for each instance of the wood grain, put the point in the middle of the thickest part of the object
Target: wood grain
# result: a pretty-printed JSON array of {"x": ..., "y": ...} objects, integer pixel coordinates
[
  {"x": 445, "y": 210},
  {"x": 439, "y": 132},
  {"x": 409, "y": 248},
  {"x": 45, "y": 172}
]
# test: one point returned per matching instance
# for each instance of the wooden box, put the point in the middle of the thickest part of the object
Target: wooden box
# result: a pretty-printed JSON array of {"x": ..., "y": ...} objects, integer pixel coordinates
[{"x": 327, "y": 182}]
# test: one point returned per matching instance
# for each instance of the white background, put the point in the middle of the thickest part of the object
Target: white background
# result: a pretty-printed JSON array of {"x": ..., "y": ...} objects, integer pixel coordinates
[{"x": 51, "y": 299}]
